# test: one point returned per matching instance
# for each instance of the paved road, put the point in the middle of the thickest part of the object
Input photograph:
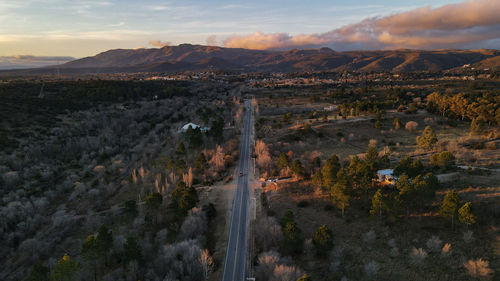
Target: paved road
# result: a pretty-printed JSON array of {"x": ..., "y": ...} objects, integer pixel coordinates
[{"x": 236, "y": 253}]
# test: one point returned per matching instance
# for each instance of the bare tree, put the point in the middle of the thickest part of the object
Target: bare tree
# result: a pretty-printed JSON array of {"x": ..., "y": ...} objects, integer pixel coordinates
[
  {"x": 285, "y": 273},
  {"x": 263, "y": 156},
  {"x": 218, "y": 159},
  {"x": 268, "y": 233},
  {"x": 207, "y": 263},
  {"x": 188, "y": 177}
]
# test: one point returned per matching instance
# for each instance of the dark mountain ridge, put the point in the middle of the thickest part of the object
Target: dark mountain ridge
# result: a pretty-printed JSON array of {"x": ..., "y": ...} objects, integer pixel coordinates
[{"x": 186, "y": 57}]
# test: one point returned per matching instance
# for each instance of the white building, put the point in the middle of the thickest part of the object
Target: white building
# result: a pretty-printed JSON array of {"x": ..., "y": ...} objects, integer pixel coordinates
[{"x": 194, "y": 126}]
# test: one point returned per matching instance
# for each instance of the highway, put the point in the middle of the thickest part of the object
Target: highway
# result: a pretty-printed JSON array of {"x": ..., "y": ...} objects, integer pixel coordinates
[{"x": 236, "y": 252}]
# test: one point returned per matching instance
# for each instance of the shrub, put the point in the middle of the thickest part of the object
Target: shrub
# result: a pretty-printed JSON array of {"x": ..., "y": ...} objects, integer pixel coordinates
[
  {"x": 391, "y": 243},
  {"x": 267, "y": 262},
  {"x": 411, "y": 126},
  {"x": 418, "y": 256},
  {"x": 303, "y": 204},
  {"x": 478, "y": 268},
  {"x": 371, "y": 269},
  {"x": 394, "y": 252},
  {"x": 434, "y": 244},
  {"x": 468, "y": 236},
  {"x": 334, "y": 266},
  {"x": 444, "y": 159},
  {"x": 446, "y": 250},
  {"x": 285, "y": 272},
  {"x": 369, "y": 237}
]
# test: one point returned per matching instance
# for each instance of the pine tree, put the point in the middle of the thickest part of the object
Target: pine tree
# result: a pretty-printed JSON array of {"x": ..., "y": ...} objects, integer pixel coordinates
[
  {"x": 293, "y": 241},
  {"x": 181, "y": 149},
  {"x": 91, "y": 253},
  {"x": 340, "y": 196},
  {"x": 449, "y": 207},
  {"x": 188, "y": 200},
  {"x": 329, "y": 170},
  {"x": 287, "y": 217},
  {"x": 371, "y": 156},
  {"x": 466, "y": 214},
  {"x": 39, "y": 273},
  {"x": 323, "y": 240},
  {"x": 104, "y": 242},
  {"x": 283, "y": 161},
  {"x": 304, "y": 277},
  {"x": 427, "y": 139},
  {"x": 130, "y": 209},
  {"x": 406, "y": 193},
  {"x": 377, "y": 203},
  {"x": 476, "y": 126},
  {"x": 297, "y": 169},
  {"x": 444, "y": 160},
  {"x": 132, "y": 250},
  {"x": 396, "y": 123},
  {"x": 317, "y": 180},
  {"x": 201, "y": 162},
  {"x": 153, "y": 203},
  {"x": 65, "y": 269}
]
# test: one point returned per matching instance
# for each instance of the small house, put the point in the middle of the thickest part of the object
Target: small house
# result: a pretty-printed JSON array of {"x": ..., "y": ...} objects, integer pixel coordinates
[
  {"x": 194, "y": 126},
  {"x": 386, "y": 176}
]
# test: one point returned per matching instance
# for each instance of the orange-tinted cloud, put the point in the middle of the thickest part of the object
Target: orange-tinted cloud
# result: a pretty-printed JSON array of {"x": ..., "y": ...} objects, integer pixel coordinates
[
  {"x": 211, "y": 40},
  {"x": 159, "y": 43},
  {"x": 446, "y": 26}
]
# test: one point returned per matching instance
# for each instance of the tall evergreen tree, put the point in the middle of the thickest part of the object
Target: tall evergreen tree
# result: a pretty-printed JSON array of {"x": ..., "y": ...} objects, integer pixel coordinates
[
  {"x": 201, "y": 162},
  {"x": 39, "y": 273},
  {"x": 340, "y": 194},
  {"x": 428, "y": 138},
  {"x": 377, "y": 203},
  {"x": 283, "y": 161},
  {"x": 297, "y": 169},
  {"x": 323, "y": 240},
  {"x": 104, "y": 242},
  {"x": 466, "y": 214},
  {"x": 329, "y": 170},
  {"x": 91, "y": 253},
  {"x": 132, "y": 250},
  {"x": 449, "y": 207},
  {"x": 317, "y": 180},
  {"x": 65, "y": 269}
]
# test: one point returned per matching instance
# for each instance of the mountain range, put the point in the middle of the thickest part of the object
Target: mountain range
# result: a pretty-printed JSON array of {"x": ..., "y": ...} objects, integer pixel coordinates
[{"x": 187, "y": 57}]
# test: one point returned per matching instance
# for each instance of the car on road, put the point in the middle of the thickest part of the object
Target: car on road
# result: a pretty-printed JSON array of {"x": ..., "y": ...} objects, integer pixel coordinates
[{"x": 241, "y": 174}]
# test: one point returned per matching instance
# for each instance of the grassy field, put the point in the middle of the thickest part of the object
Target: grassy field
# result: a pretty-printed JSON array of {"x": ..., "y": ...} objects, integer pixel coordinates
[{"x": 373, "y": 248}]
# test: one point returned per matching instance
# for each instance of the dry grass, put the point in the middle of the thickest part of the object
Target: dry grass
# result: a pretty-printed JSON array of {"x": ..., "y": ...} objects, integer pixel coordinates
[
  {"x": 393, "y": 240},
  {"x": 392, "y": 246}
]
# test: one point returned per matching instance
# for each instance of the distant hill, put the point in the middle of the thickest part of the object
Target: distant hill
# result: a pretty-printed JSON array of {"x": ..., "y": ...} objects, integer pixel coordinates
[{"x": 188, "y": 57}]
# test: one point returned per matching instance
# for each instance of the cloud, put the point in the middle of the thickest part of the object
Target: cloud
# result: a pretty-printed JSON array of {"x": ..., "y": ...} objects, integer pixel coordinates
[
  {"x": 211, "y": 40},
  {"x": 29, "y": 61},
  {"x": 117, "y": 24},
  {"x": 159, "y": 43},
  {"x": 447, "y": 26}
]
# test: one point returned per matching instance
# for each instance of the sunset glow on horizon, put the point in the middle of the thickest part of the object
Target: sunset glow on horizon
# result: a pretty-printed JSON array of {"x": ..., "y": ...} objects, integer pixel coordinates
[{"x": 85, "y": 27}]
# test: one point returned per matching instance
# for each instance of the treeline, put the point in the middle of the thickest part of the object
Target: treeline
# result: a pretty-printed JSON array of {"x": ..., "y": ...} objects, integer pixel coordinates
[
  {"x": 82, "y": 93},
  {"x": 483, "y": 109},
  {"x": 143, "y": 254}
]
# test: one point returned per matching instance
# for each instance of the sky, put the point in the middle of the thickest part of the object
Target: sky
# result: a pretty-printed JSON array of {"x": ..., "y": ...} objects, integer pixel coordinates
[{"x": 80, "y": 28}]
